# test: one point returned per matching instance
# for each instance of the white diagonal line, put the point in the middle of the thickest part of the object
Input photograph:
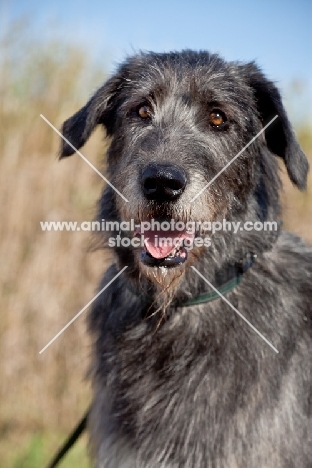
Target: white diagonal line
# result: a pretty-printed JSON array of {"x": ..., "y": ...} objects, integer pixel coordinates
[
  {"x": 235, "y": 157},
  {"x": 83, "y": 157},
  {"x": 235, "y": 310},
  {"x": 82, "y": 310}
]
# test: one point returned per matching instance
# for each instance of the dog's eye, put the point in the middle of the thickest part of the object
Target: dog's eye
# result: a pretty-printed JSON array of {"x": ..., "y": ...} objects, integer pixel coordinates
[
  {"x": 144, "y": 111},
  {"x": 217, "y": 118}
]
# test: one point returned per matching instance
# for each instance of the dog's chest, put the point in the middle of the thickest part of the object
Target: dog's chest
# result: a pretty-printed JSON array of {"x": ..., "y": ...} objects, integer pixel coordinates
[{"x": 178, "y": 386}]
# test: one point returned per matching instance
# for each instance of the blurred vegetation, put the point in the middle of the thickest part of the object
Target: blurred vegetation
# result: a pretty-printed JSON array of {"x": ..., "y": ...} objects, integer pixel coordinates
[
  {"x": 46, "y": 278},
  {"x": 297, "y": 206}
]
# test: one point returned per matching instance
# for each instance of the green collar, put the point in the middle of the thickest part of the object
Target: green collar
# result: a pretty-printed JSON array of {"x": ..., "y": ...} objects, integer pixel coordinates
[{"x": 210, "y": 296}]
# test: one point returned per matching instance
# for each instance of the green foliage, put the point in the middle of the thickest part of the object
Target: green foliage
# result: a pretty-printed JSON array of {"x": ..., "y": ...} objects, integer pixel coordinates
[{"x": 39, "y": 450}]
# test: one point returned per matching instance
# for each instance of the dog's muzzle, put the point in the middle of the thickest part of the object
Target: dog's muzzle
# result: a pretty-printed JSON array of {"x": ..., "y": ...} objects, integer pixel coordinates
[{"x": 163, "y": 183}]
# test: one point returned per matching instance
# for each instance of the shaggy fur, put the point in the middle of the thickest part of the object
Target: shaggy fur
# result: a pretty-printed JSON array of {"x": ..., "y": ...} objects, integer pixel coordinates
[{"x": 196, "y": 387}]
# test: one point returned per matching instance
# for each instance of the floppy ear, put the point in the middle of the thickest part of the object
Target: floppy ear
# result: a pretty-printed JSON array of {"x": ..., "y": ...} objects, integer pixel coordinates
[
  {"x": 279, "y": 135},
  {"x": 98, "y": 110}
]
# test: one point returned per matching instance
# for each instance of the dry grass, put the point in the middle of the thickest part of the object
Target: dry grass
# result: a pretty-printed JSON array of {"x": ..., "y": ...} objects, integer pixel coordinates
[
  {"x": 297, "y": 205},
  {"x": 46, "y": 278}
]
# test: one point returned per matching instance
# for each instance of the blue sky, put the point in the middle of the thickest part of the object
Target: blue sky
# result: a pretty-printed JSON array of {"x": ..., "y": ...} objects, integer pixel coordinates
[{"x": 277, "y": 33}]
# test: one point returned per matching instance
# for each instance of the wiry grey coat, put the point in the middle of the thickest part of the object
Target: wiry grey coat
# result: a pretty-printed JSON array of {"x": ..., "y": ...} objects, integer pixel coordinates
[{"x": 194, "y": 386}]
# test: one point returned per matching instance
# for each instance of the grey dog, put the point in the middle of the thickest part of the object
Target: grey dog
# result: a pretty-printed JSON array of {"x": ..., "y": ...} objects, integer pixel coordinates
[{"x": 179, "y": 379}]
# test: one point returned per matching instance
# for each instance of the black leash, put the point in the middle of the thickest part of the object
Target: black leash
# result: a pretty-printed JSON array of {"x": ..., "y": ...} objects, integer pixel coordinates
[{"x": 81, "y": 426}]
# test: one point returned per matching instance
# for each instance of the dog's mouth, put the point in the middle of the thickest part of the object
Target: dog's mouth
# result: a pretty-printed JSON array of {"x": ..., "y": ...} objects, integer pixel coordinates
[{"x": 167, "y": 249}]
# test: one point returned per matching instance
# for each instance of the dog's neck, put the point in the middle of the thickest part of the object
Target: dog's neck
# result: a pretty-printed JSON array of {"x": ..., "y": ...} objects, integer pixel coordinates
[{"x": 226, "y": 279}]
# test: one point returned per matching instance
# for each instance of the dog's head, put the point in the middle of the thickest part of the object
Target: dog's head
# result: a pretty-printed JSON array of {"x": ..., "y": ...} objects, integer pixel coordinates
[{"x": 183, "y": 148}]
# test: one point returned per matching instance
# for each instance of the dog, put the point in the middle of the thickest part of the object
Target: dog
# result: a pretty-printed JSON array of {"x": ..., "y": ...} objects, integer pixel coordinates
[{"x": 179, "y": 379}]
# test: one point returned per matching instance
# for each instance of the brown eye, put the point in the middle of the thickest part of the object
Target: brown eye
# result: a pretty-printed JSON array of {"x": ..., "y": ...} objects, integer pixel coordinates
[
  {"x": 216, "y": 118},
  {"x": 144, "y": 112}
]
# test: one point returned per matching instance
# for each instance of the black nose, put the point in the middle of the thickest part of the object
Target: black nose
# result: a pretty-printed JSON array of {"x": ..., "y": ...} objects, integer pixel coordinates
[{"x": 163, "y": 182}]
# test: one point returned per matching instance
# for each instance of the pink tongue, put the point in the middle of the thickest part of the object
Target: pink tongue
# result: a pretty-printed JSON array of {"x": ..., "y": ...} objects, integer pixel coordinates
[{"x": 161, "y": 243}]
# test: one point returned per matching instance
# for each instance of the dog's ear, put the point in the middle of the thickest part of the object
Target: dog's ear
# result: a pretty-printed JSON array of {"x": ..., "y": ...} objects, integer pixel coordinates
[
  {"x": 279, "y": 135},
  {"x": 98, "y": 110}
]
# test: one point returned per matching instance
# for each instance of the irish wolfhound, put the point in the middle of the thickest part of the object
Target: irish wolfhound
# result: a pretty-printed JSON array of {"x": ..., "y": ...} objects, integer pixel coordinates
[{"x": 180, "y": 379}]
